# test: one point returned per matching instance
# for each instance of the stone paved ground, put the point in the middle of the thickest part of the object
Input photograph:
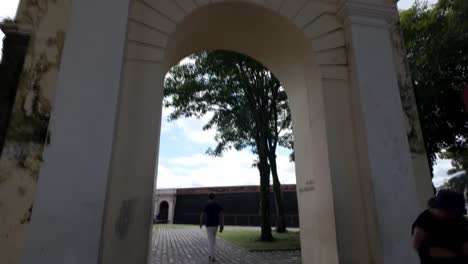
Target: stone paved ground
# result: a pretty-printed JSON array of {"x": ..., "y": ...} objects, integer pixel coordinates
[{"x": 188, "y": 245}]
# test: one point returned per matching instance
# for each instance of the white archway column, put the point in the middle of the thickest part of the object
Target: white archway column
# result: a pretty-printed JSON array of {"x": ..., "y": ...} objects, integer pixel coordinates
[
  {"x": 70, "y": 202},
  {"x": 383, "y": 150},
  {"x": 128, "y": 216},
  {"x": 171, "y": 210}
]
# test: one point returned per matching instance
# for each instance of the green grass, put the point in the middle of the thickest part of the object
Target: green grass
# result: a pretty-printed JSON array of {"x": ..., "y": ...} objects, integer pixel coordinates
[{"x": 250, "y": 240}]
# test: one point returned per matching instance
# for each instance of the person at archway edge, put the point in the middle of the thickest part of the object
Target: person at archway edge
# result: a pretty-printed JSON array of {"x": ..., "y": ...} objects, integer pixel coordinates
[
  {"x": 440, "y": 233},
  {"x": 212, "y": 215}
]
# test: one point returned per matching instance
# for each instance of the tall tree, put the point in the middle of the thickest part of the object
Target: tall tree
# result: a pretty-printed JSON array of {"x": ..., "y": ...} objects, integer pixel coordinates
[
  {"x": 249, "y": 109},
  {"x": 436, "y": 39},
  {"x": 279, "y": 116}
]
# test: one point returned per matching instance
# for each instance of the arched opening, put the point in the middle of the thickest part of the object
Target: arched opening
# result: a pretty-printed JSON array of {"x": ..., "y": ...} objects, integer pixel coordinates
[
  {"x": 278, "y": 44},
  {"x": 163, "y": 213},
  {"x": 321, "y": 113},
  {"x": 194, "y": 174},
  {"x": 283, "y": 48}
]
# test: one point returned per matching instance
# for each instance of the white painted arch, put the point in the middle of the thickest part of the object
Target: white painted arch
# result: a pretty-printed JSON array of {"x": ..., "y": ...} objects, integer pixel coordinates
[
  {"x": 288, "y": 52},
  {"x": 351, "y": 147}
]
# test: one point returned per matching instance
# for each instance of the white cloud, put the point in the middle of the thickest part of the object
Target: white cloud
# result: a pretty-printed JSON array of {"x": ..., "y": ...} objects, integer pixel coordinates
[
  {"x": 166, "y": 126},
  {"x": 8, "y": 8},
  {"x": 190, "y": 128},
  {"x": 405, "y": 4},
  {"x": 193, "y": 128},
  {"x": 234, "y": 168},
  {"x": 441, "y": 168}
]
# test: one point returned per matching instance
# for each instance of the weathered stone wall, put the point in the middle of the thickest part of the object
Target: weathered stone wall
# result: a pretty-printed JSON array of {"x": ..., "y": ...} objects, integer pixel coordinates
[
  {"x": 240, "y": 209},
  {"x": 422, "y": 170},
  {"x": 46, "y": 21},
  {"x": 241, "y": 205}
]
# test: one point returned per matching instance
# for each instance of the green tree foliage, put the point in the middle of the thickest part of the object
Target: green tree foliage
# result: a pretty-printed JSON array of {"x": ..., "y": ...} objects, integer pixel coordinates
[
  {"x": 436, "y": 39},
  {"x": 249, "y": 108}
]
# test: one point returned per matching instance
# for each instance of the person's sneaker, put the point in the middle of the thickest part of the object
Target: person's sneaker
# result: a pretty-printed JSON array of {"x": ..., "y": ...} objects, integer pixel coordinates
[
  {"x": 209, "y": 257},
  {"x": 213, "y": 260}
]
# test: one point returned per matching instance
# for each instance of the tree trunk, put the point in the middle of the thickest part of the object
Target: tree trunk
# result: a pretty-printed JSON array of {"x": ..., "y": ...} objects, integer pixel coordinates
[
  {"x": 265, "y": 199},
  {"x": 280, "y": 216}
]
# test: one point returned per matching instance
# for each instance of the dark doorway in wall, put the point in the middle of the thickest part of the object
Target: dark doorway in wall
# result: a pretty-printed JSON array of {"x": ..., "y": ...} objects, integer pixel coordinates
[{"x": 163, "y": 212}]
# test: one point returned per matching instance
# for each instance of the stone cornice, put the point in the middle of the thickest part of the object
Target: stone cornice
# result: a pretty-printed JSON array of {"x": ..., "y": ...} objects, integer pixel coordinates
[
  {"x": 229, "y": 189},
  {"x": 9, "y": 27},
  {"x": 370, "y": 14}
]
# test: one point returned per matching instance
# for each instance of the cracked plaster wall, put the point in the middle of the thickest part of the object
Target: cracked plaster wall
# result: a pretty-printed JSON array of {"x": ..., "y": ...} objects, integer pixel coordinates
[{"x": 46, "y": 21}]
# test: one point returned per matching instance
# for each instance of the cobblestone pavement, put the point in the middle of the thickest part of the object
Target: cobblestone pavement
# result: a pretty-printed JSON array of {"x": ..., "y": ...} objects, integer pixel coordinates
[
  {"x": 188, "y": 245},
  {"x": 230, "y": 227}
]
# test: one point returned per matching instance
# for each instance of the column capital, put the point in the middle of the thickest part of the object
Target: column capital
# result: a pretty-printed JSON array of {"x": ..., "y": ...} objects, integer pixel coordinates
[{"x": 368, "y": 13}]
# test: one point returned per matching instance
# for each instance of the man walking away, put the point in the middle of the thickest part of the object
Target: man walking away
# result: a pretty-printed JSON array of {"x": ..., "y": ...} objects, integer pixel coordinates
[{"x": 213, "y": 217}]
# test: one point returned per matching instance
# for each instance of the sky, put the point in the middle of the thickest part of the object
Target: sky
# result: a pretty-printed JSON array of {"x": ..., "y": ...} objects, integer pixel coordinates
[{"x": 182, "y": 158}]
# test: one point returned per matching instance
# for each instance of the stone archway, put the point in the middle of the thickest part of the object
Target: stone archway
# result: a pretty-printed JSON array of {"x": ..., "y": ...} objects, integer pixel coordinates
[
  {"x": 336, "y": 63},
  {"x": 163, "y": 212}
]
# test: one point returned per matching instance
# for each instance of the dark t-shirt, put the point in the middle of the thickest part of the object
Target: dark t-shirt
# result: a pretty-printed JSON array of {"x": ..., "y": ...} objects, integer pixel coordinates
[
  {"x": 447, "y": 234},
  {"x": 212, "y": 210}
]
